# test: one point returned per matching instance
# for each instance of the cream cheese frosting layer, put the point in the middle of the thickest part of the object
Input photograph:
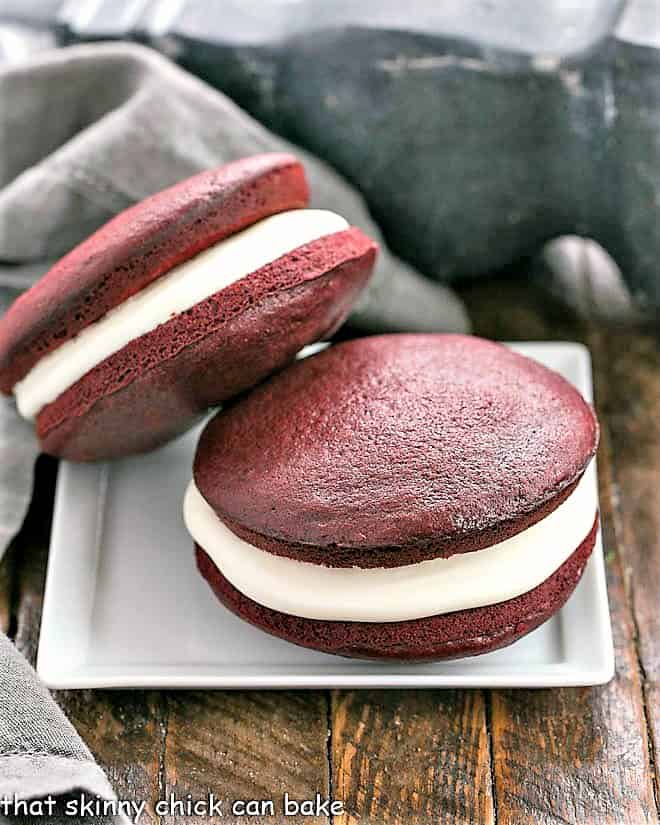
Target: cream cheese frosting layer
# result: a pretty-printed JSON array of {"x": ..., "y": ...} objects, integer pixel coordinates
[
  {"x": 494, "y": 574},
  {"x": 181, "y": 288}
]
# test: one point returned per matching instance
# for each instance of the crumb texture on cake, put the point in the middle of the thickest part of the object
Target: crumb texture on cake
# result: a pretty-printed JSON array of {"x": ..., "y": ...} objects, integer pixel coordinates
[
  {"x": 138, "y": 246},
  {"x": 153, "y": 388},
  {"x": 392, "y": 449}
]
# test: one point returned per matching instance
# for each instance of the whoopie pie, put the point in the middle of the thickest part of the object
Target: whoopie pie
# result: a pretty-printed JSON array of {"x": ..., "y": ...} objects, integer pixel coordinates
[
  {"x": 398, "y": 497},
  {"x": 178, "y": 303}
]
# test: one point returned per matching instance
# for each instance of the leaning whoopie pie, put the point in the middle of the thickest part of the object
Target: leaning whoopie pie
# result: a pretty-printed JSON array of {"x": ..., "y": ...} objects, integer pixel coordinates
[
  {"x": 401, "y": 496},
  {"x": 178, "y": 303}
]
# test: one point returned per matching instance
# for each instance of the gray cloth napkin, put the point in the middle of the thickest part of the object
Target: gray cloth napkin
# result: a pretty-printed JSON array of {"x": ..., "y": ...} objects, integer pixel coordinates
[
  {"x": 41, "y": 755},
  {"x": 84, "y": 133}
]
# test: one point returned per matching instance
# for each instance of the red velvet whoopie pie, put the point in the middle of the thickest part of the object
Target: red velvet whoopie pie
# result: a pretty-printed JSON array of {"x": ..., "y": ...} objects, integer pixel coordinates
[
  {"x": 410, "y": 497},
  {"x": 177, "y": 304}
]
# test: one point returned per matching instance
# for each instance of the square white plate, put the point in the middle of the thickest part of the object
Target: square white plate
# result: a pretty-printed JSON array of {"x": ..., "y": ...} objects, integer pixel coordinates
[{"x": 125, "y": 607}]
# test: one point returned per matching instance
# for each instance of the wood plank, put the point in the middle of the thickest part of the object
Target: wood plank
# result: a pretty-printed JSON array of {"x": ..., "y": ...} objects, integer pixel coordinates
[
  {"x": 247, "y": 746},
  {"x": 125, "y": 731},
  {"x": 630, "y": 387},
  {"x": 7, "y": 581},
  {"x": 652, "y": 700},
  {"x": 411, "y": 757}
]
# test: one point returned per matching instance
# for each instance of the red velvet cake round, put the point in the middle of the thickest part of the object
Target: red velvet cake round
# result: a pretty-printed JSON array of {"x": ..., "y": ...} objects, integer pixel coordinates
[
  {"x": 177, "y": 304},
  {"x": 400, "y": 496}
]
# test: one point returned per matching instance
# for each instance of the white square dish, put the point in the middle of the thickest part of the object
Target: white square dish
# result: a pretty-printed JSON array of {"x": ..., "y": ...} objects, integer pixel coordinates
[{"x": 125, "y": 606}]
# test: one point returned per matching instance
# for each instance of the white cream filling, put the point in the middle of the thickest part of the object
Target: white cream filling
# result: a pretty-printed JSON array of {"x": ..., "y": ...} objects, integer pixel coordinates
[
  {"x": 428, "y": 588},
  {"x": 180, "y": 289}
]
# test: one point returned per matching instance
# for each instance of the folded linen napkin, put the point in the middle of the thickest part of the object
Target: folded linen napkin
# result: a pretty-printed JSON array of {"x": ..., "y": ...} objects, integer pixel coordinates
[{"x": 84, "y": 133}]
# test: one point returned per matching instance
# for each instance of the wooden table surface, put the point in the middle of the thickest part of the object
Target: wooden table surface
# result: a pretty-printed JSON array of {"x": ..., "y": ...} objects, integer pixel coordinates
[{"x": 587, "y": 755}]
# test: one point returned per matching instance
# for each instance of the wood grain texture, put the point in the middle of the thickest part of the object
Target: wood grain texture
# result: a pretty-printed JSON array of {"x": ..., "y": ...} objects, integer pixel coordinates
[
  {"x": 247, "y": 746},
  {"x": 628, "y": 378},
  {"x": 408, "y": 757},
  {"x": 7, "y": 582},
  {"x": 125, "y": 732},
  {"x": 652, "y": 698}
]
